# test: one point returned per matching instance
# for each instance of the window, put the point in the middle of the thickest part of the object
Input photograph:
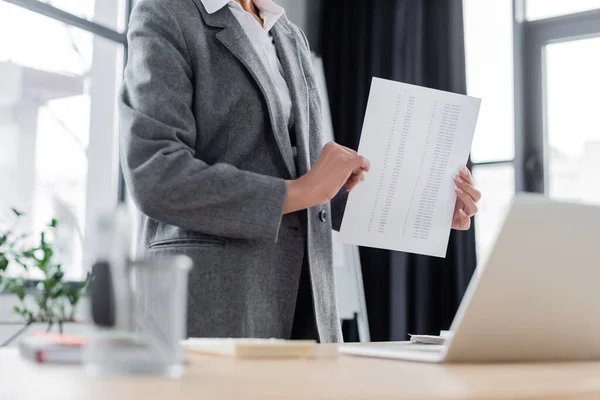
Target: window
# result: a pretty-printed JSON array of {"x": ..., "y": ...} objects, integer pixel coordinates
[
  {"x": 572, "y": 121},
  {"x": 489, "y": 61},
  {"x": 58, "y": 126},
  {"x": 497, "y": 182},
  {"x": 540, "y": 9},
  {"x": 91, "y": 10},
  {"x": 559, "y": 139}
]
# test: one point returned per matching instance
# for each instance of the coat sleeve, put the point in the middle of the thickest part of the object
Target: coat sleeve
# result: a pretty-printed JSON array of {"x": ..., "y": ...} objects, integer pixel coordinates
[{"x": 158, "y": 135}]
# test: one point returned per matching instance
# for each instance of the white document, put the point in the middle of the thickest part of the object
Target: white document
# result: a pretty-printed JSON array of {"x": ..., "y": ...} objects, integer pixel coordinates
[{"x": 416, "y": 139}]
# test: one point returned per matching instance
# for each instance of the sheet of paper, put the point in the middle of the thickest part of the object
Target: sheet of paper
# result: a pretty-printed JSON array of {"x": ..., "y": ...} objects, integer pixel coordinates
[{"x": 416, "y": 139}]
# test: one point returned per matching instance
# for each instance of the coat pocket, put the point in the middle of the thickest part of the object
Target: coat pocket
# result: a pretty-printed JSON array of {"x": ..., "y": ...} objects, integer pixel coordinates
[{"x": 204, "y": 241}]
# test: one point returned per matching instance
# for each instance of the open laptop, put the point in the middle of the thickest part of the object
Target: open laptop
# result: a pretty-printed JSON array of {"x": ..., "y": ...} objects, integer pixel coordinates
[{"x": 537, "y": 298}]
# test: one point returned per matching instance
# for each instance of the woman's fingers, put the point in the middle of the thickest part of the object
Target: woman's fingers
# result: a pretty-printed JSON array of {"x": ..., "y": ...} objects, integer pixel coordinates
[
  {"x": 466, "y": 175},
  {"x": 464, "y": 222},
  {"x": 467, "y": 187},
  {"x": 470, "y": 207},
  {"x": 468, "y": 196},
  {"x": 355, "y": 179}
]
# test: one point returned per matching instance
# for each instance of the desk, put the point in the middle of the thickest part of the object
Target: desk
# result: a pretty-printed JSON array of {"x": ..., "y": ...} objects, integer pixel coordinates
[{"x": 344, "y": 378}]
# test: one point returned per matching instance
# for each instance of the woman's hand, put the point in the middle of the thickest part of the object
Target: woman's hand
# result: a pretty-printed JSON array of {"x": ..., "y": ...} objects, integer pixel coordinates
[
  {"x": 336, "y": 167},
  {"x": 466, "y": 203}
]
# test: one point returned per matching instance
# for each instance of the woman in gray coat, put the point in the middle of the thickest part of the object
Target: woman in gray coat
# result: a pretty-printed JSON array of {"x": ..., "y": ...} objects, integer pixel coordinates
[{"x": 223, "y": 155}]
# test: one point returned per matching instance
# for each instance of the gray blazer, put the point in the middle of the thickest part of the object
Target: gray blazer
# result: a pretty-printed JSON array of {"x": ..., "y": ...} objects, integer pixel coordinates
[{"x": 205, "y": 152}]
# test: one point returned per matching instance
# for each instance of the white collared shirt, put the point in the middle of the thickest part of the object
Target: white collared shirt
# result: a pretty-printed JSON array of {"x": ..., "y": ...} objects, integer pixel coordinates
[{"x": 262, "y": 41}]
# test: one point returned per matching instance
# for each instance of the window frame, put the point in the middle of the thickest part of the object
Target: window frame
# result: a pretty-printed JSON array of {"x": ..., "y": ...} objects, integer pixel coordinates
[
  {"x": 531, "y": 38},
  {"x": 57, "y": 14},
  {"x": 97, "y": 30},
  {"x": 507, "y": 161}
]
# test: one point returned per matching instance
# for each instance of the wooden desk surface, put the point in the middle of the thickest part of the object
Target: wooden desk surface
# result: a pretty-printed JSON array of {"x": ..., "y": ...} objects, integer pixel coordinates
[{"x": 344, "y": 378}]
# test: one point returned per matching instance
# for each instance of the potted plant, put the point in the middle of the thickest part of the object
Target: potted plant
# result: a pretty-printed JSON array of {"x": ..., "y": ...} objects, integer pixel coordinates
[{"x": 52, "y": 300}]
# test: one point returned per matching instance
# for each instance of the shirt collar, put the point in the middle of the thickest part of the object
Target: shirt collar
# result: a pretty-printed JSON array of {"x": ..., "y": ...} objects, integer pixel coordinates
[
  {"x": 269, "y": 11},
  {"x": 212, "y": 6}
]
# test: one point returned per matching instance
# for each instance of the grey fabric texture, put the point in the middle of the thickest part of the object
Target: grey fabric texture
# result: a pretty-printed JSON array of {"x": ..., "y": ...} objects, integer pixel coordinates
[{"x": 205, "y": 154}]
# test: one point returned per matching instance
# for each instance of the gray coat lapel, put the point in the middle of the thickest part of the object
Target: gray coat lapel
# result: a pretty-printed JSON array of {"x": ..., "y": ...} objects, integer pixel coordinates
[
  {"x": 288, "y": 51},
  {"x": 235, "y": 40}
]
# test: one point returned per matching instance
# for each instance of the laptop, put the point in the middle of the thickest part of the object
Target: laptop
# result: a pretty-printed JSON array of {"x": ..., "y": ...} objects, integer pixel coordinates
[{"x": 537, "y": 298}]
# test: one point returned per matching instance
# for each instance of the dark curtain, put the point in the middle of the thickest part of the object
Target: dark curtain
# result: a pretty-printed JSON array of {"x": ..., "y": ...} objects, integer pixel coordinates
[{"x": 413, "y": 41}]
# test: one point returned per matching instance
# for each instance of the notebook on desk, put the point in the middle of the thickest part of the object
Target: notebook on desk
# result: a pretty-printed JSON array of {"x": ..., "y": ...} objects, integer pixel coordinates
[
  {"x": 258, "y": 348},
  {"x": 52, "y": 348}
]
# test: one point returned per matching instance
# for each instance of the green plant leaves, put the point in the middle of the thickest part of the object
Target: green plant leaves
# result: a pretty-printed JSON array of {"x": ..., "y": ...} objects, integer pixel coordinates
[
  {"x": 21, "y": 262},
  {"x": 55, "y": 300},
  {"x": 3, "y": 262},
  {"x": 76, "y": 291},
  {"x": 23, "y": 312},
  {"x": 29, "y": 254},
  {"x": 15, "y": 286}
]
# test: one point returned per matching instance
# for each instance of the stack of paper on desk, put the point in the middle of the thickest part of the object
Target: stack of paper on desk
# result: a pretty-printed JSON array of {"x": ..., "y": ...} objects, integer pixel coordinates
[
  {"x": 252, "y": 348},
  {"x": 417, "y": 139},
  {"x": 429, "y": 339}
]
